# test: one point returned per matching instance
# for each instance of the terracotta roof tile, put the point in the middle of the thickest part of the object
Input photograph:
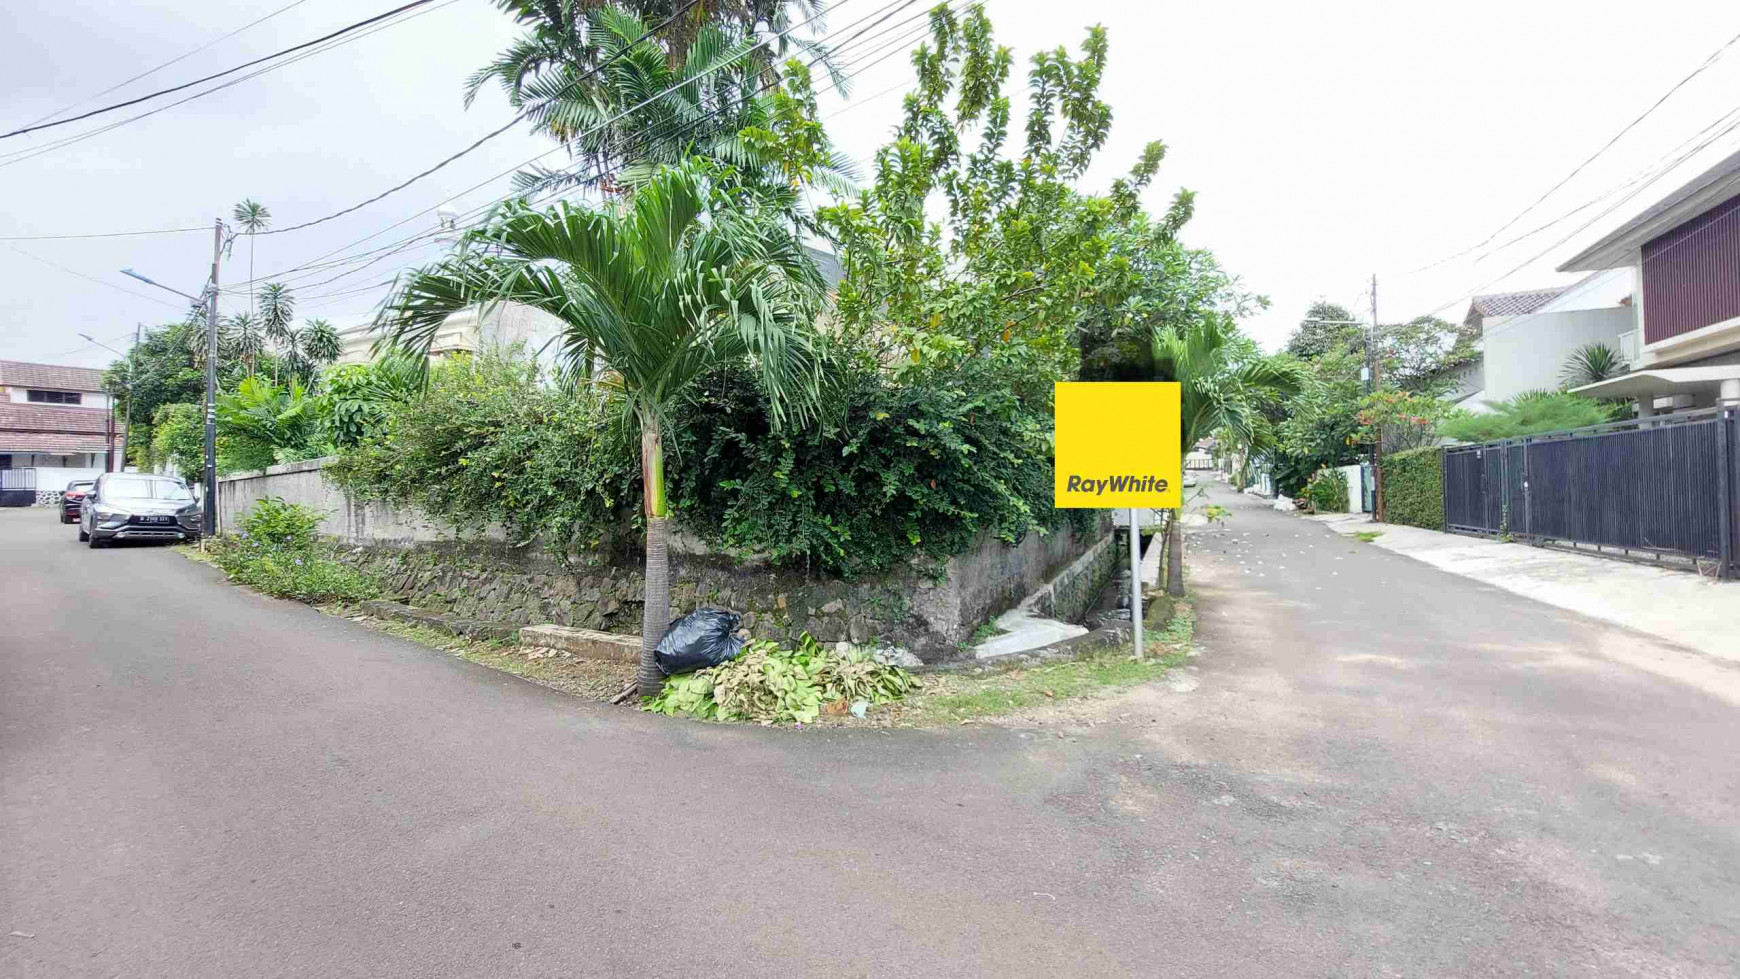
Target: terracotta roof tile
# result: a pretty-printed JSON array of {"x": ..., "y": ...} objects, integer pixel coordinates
[
  {"x": 18, "y": 416},
  {"x": 17, "y": 373},
  {"x": 56, "y": 443}
]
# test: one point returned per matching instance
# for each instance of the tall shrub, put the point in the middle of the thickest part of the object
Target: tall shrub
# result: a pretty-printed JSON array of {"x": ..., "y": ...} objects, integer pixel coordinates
[
  {"x": 1414, "y": 488},
  {"x": 922, "y": 466}
]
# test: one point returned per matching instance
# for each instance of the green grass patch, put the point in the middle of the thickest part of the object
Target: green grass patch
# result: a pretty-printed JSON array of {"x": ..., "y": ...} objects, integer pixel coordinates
[
  {"x": 1368, "y": 535},
  {"x": 957, "y": 698}
]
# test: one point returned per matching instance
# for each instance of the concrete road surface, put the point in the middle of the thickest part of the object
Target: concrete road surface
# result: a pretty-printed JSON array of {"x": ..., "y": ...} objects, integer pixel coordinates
[{"x": 1374, "y": 768}]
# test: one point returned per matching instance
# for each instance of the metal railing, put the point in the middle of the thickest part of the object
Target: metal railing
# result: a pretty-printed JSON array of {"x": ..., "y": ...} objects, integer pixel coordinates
[
  {"x": 1665, "y": 488},
  {"x": 17, "y": 479}
]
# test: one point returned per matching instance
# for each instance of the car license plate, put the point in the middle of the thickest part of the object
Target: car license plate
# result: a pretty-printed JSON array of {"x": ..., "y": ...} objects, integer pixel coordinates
[{"x": 154, "y": 519}]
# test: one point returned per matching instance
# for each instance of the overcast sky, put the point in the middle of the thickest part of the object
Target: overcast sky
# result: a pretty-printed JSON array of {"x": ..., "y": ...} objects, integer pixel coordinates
[{"x": 1326, "y": 141}]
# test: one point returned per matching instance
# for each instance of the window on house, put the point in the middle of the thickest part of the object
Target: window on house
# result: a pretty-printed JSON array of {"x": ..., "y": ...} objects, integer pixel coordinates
[{"x": 56, "y": 397}]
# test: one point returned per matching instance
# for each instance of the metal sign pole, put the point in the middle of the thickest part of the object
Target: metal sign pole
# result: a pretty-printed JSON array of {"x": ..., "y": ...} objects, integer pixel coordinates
[{"x": 1136, "y": 582}]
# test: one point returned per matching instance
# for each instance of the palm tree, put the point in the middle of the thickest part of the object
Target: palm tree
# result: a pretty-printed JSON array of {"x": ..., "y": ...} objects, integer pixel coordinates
[
  {"x": 252, "y": 217},
  {"x": 660, "y": 291},
  {"x": 1222, "y": 377},
  {"x": 247, "y": 339},
  {"x": 715, "y": 64},
  {"x": 320, "y": 343},
  {"x": 1591, "y": 364},
  {"x": 277, "y": 313}
]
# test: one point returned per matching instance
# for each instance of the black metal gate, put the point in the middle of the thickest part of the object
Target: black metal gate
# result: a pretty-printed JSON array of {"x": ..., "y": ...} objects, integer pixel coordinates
[
  {"x": 1663, "y": 488},
  {"x": 17, "y": 487}
]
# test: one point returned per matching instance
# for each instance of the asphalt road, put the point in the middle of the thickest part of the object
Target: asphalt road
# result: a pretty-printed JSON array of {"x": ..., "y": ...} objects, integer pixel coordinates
[{"x": 1373, "y": 768}]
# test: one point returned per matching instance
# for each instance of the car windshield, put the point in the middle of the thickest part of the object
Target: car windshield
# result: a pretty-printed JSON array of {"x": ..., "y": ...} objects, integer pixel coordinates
[
  {"x": 78, "y": 487},
  {"x": 145, "y": 489}
]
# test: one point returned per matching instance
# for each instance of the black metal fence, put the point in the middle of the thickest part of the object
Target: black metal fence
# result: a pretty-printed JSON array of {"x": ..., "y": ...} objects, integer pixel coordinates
[{"x": 1666, "y": 488}]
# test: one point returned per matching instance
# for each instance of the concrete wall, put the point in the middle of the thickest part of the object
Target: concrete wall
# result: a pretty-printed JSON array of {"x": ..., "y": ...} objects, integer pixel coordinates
[
  {"x": 342, "y": 517},
  {"x": 1523, "y": 353},
  {"x": 927, "y": 607},
  {"x": 1354, "y": 475}
]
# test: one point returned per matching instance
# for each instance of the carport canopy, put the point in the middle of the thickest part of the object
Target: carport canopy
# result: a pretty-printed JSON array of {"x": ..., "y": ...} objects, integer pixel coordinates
[{"x": 1662, "y": 382}]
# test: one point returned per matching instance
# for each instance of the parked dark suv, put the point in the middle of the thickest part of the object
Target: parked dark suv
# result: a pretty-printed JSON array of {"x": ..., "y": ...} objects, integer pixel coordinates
[
  {"x": 72, "y": 498},
  {"x": 137, "y": 506}
]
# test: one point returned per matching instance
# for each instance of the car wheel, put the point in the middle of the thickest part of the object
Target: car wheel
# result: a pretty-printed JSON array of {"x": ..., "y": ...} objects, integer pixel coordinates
[{"x": 82, "y": 535}]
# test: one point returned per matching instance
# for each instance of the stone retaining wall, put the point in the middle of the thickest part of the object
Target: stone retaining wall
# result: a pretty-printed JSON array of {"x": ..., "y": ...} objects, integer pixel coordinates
[{"x": 927, "y": 607}]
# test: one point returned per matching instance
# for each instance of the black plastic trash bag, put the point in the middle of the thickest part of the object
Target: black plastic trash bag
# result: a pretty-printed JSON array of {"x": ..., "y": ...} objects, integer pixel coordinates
[{"x": 698, "y": 640}]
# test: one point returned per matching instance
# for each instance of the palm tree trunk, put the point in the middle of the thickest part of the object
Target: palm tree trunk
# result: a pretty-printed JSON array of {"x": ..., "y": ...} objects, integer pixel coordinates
[
  {"x": 657, "y": 614},
  {"x": 1175, "y": 555}
]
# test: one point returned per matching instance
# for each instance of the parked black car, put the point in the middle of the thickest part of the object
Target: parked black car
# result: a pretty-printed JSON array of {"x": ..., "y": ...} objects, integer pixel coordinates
[
  {"x": 72, "y": 498},
  {"x": 137, "y": 506}
]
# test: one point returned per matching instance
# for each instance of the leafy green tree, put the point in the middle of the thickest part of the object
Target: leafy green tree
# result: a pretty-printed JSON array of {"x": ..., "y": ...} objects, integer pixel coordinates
[
  {"x": 178, "y": 438},
  {"x": 1222, "y": 377},
  {"x": 1021, "y": 253},
  {"x": 658, "y": 289},
  {"x": 1326, "y": 327},
  {"x": 1402, "y": 420}
]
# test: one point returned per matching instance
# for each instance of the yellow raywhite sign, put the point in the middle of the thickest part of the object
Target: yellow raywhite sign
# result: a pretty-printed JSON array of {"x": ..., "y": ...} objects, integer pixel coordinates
[{"x": 1117, "y": 445}]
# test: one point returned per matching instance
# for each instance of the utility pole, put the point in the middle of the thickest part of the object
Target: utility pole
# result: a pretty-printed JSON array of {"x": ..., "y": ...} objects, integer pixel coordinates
[
  {"x": 1377, "y": 445},
  {"x": 209, "y": 510},
  {"x": 132, "y": 369}
]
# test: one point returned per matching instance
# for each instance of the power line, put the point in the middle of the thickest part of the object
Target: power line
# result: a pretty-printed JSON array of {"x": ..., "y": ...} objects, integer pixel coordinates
[
  {"x": 1604, "y": 148},
  {"x": 87, "y": 278},
  {"x": 492, "y": 134},
  {"x": 227, "y": 71},
  {"x": 171, "y": 61},
  {"x": 19, "y": 156},
  {"x": 106, "y": 234},
  {"x": 1580, "y": 228},
  {"x": 901, "y": 4},
  {"x": 632, "y": 146}
]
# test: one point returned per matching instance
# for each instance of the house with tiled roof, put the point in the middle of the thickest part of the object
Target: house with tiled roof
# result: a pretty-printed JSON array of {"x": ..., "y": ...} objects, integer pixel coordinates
[
  {"x": 55, "y": 426},
  {"x": 1526, "y": 337}
]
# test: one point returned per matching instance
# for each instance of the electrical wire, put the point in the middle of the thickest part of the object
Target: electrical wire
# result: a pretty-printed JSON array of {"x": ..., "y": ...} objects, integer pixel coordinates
[
  {"x": 1714, "y": 56},
  {"x": 490, "y": 135},
  {"x": 106, "y": 234},
  {"x": 171, "y": 61},
  {"x": 1580, "y": 228},
  {"x": 19, "y": 156},
  {"x": 88, "y": 278},
  {"x": 628, "y": 153},
  {"x": 227, "y": 71},
  {"x": 898, "y": 4}
]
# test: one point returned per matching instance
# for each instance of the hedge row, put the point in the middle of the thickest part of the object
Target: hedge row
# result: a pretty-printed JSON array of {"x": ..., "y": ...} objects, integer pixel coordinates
[{"x": 1414, "y": 488}]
